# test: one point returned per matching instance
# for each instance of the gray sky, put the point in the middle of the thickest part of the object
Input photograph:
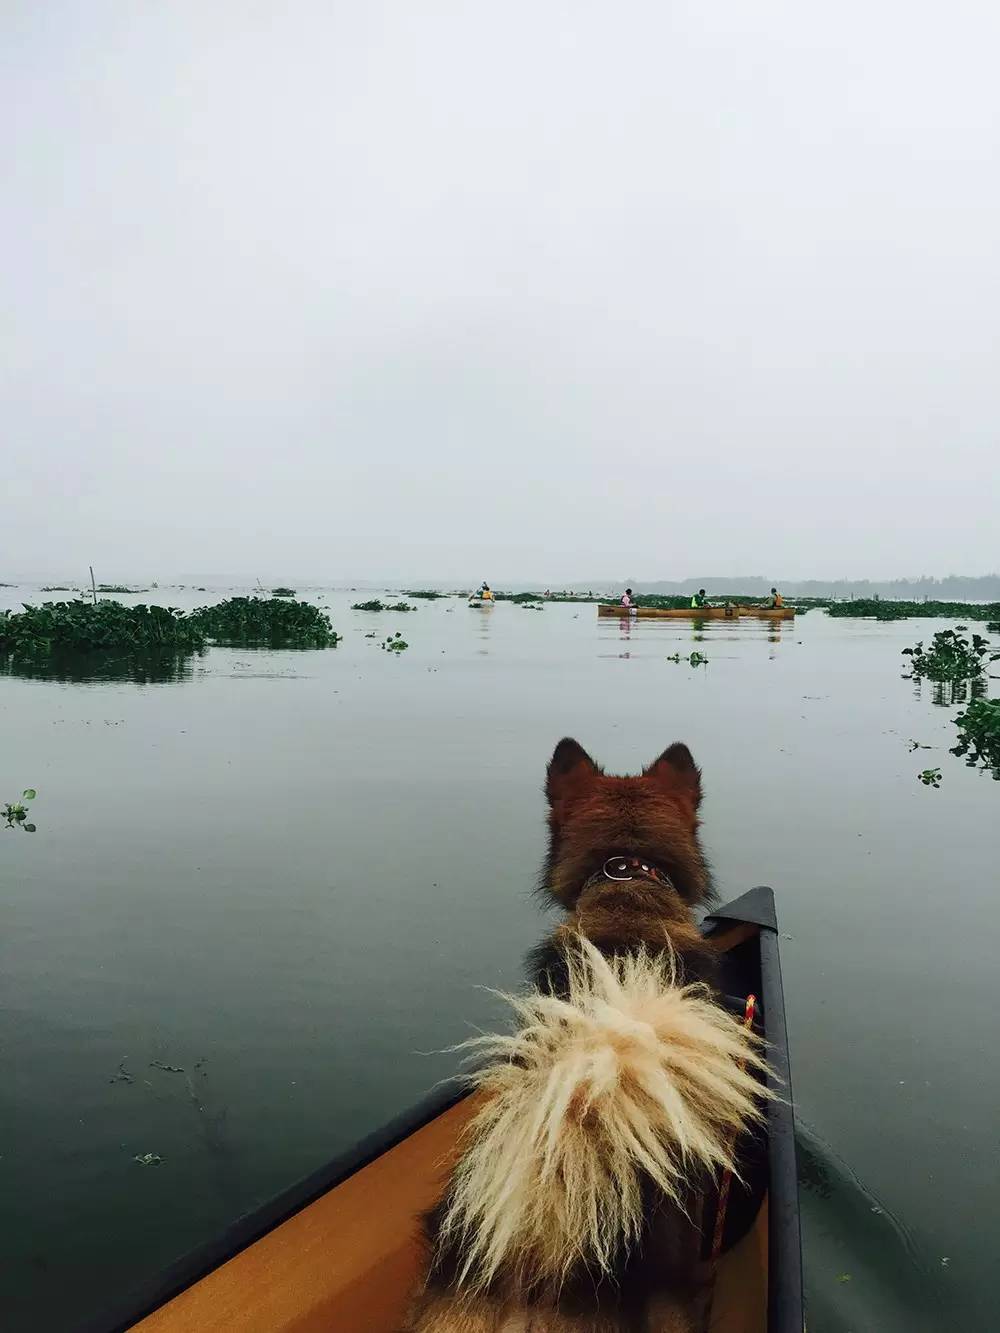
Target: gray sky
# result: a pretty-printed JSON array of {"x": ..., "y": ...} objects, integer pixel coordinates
[{"x": 501, "y": 290}]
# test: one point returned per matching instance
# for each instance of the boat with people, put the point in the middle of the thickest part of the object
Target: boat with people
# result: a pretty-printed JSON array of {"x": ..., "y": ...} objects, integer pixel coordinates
[
  {"x": 696, "y": 612},
  {"x": 484, "y": 597},
  {"x": 341, "y": 1249}
]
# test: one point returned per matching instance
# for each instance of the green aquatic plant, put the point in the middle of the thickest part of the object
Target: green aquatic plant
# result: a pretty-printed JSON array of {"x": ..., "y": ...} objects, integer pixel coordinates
[
  {"x": 930, "y": 777},
  {"x": 979, "y": 735},
  {"x": 16, "y": 812},
  {"x": 951, "y": 656},
  {"x": 376, "y": 605},
  {"x": 395, "y": 643},
  {"x": 81, "y": 627},
  {"x": 666, "y": 603},
  {"x": 530, "y": 606},
  {"x": 693, "y": 659},
  {"x": 428, "y": 594},
  {"x": 275, "y": 592},
  {"x": 264, "y": 620},
  {"x": 118, "y": 587},
  {"x": 883, "y": 609}
]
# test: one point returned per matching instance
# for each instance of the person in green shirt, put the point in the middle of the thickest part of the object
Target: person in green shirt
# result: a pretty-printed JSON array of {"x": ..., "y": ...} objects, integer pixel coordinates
[{"x": 699, "y": 599}]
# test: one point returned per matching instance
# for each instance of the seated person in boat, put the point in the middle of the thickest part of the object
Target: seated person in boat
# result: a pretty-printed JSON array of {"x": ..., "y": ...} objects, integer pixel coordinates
[
  {"x": 484, "y": 592},
  {"x": 626, "y": 601},
  {"x": 699, "y": 599},
  {"x": 775, "y": 600}
]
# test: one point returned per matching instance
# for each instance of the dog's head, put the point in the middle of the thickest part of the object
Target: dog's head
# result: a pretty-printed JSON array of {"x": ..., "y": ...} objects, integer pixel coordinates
[{"x": 593, "y": 817}]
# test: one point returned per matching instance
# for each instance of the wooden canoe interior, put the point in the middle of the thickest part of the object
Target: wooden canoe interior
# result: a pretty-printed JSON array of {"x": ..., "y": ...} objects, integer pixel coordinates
[{"x": 347, "y": 1262}]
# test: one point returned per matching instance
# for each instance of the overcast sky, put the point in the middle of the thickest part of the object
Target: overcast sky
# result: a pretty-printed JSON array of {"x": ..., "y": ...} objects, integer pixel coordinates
[{"x": 506, "y": 290}]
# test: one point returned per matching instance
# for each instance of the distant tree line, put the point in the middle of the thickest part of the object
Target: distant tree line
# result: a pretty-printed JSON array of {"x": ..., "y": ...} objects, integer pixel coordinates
[{"x": 954, "y": 587}]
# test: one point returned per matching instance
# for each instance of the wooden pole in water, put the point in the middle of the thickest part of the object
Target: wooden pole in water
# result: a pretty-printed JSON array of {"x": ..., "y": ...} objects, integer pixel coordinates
[{"x": 93, "y": 585}]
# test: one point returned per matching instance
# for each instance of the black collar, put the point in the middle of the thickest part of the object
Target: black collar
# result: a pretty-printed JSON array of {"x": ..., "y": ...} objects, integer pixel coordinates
[{"x": 624, "y": 867}]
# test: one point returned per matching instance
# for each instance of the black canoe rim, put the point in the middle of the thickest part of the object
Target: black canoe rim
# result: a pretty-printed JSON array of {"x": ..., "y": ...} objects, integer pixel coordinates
[
  {"x": 756, "y": 907},
  {"x": 784, "y": 1235}
]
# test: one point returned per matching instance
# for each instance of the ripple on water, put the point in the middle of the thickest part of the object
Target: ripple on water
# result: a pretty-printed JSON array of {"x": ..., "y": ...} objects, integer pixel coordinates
[{"x": 864, "y": 1272}]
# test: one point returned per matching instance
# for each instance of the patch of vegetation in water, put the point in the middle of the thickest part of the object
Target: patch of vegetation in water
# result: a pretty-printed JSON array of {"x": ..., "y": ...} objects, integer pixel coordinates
[
  {"x": 395, "y": 643},
  {"x": 930, "y": 777},
  {"x": 693, "y": 659},
  {"x": 879, "y": 609},
  {"x": 520, "y": 598},
  {"x": 979, "y": 735},
  {"x": 57, "y": 587},
  {"x": 262, "y": 620},
  {"x": 951, "y": 656},
  {"x": 16, "y": 812},
  {"x": 376, "y": 605},
  {"x": 662, "y": 603},
  {"x": 275, "y": 592},
  {"x": 427, "y": 594},
  {"x": 531, "y": 606},
  {"x": 83, "y": 626},
  {"x": 118, "y": 587}
]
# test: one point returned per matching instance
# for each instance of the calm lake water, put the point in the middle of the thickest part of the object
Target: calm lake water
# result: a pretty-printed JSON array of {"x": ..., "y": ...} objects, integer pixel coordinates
[{"x": 285, "y": 874}]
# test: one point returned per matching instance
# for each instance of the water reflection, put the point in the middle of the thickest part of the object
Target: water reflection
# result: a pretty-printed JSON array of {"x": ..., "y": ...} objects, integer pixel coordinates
[
  {"x": 847, "y": 1227},
  {"x": 947, "y": 693},
  {"x": 485, "y": 612},
  {"x": 91, "y": 668}
]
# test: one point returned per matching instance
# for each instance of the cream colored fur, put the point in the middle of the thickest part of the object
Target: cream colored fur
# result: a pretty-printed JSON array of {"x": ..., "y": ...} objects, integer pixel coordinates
[{"x": 632, "y": 1076}]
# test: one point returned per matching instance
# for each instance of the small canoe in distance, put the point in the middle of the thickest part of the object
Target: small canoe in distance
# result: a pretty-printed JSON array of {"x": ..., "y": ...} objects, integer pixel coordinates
[
  {"x": 697, "y": 612},
  {"x": 340, "y": 1252}
]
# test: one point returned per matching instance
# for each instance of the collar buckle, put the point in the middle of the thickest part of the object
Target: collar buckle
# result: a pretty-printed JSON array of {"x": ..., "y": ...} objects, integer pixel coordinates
[{"x": 623, "y": 868}]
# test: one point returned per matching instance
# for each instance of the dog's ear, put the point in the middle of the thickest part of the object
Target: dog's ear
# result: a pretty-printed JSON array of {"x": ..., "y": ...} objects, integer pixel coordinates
[
  {"x": 676, "y": 774},
  {"x": 570, "y": 774}
]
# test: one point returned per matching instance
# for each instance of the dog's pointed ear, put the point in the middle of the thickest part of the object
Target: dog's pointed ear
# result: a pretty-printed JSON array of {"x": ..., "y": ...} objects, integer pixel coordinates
[
  {"x": 570, "y": 774},
  {"x": 676, "y": 774}
]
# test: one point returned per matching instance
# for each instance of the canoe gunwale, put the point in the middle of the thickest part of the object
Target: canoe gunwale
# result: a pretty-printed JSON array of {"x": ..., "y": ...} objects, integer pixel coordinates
[{"x": 784, "y": 1270}]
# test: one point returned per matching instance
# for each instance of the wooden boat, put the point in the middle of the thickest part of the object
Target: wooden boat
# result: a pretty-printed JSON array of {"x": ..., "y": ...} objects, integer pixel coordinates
[
  {"x": 697, "y": 612},
  {"x": 339, "y": 1252}
]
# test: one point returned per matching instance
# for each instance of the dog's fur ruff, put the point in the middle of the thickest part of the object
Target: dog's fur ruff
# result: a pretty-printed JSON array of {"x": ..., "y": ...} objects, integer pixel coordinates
[{"x": 615, "y": 1101}]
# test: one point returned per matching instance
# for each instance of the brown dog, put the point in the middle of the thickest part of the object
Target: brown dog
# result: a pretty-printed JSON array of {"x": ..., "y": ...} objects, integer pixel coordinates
[{"x": 615, "y": 1102}]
